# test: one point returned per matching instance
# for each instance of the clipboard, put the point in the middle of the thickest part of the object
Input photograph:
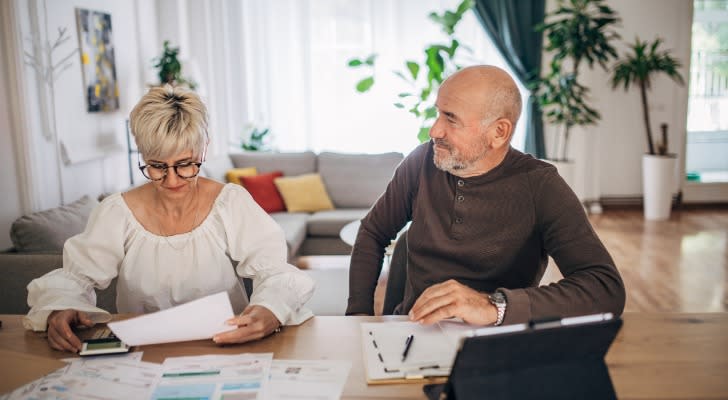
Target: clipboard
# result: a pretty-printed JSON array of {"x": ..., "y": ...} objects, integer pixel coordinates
[
  {"x": 429, "y": 358},
  {"x": 557, "y": 359}
]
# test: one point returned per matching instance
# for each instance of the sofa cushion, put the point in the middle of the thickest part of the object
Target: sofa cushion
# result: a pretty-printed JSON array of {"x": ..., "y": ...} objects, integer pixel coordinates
[
  {"x": 233, "y": 175},
  {"x": 47, "y": 231},
  {"x": 304, "y": 193},
  {"x": 329, "y": 223},
  {"x": 356, "y": 180},
  {"x": 264, "y": 191},
  {"x": 294, "y": 228},
  {"x": 21, "y": 268},
  {"x": 290, "y": 163}
]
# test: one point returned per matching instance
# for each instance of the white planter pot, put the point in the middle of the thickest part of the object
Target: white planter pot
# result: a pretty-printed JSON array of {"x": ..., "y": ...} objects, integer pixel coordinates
[
  {"x": 567, "y": 170},
  {"x": 658, "y": 183}
]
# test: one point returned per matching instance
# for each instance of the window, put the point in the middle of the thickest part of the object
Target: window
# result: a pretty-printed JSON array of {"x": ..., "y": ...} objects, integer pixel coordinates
[
  {"x": 300, "y": 86},
  {"x": 707, "y": 137}
]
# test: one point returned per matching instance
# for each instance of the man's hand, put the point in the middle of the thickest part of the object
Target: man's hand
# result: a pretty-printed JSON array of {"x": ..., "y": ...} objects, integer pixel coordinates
[
  {"x": 453, "y": 299},
  {"x": 60, "y": 335},
  {"x": 254, "y": 323}
]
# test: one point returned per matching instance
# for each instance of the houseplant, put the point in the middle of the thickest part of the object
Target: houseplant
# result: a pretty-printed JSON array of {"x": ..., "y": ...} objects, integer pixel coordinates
[
  {"x": 255, "y": 139},
  {"x": 169, "y": 68},
  {"x": 639, "y": 68},
  {"x": 577, "y": 31},
  {"x": 426, "y": 77}
]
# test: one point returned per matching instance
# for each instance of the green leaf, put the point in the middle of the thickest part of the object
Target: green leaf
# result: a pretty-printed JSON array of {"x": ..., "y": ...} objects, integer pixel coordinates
[
  {"x": 424, "y": 134},
  {"x": 365, "y": 84},
  {"x": 430, "y": 112},
  {"x": 414, "y": 69},
  {"x": 370, "y": 60},
  {"x": 399, "y": 105},
  {"x": 355, "y": 62},
  {"x": 403, "y": 95}
]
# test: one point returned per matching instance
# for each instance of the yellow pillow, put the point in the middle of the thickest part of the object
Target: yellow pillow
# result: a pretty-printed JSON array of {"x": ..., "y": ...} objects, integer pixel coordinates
[
  {"x": 234, "y": 175},
  {"x": 304, "y": 193}
]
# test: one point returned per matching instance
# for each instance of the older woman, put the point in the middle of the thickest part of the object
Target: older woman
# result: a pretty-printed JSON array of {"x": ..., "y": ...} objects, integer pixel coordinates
[{"x": 172, "y": 240}]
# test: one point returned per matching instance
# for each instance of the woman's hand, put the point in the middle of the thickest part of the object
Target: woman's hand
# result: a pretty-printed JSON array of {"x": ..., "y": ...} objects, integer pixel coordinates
[
  {"x": 254, "y": 323},
  {"x": 60, "y": 335}
]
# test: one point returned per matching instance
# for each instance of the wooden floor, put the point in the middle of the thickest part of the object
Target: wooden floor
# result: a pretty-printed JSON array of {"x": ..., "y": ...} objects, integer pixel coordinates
[{"x": 675, "y": 265}]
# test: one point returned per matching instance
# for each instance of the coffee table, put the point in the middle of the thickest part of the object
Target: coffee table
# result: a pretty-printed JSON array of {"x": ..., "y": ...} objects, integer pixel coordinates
[{"x": 349, "y": 231}]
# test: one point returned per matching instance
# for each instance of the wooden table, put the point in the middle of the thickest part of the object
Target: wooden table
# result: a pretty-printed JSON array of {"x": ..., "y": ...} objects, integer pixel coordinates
[{"x": 655, "y": 356}]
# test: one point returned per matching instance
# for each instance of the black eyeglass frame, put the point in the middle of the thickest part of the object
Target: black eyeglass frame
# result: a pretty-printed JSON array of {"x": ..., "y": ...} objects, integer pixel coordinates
[{"x": 167, "y": 167}]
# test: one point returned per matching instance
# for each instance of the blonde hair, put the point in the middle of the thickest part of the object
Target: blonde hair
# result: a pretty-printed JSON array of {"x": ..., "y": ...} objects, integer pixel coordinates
[{"x": 168, "y": 121}]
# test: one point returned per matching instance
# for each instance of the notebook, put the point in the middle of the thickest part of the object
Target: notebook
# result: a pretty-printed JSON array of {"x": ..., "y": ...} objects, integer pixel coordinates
[
  {"x": 430, "y": 355},
  {"x": 558, "y": 359}
]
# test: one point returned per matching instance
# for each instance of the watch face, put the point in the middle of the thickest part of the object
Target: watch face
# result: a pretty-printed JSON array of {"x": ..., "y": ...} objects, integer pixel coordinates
[{"x": 498, "y": 298}]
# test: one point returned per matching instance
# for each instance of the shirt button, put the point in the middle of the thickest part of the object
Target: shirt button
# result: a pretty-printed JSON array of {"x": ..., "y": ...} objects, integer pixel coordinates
[
  {"x": 460, "y": 198},
  {"x": 461, "y": 182},
  {"x": 458, "y": 220}
]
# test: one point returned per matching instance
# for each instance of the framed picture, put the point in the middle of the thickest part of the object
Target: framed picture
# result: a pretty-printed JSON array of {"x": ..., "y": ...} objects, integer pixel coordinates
[{"x": 97, "y": 60}]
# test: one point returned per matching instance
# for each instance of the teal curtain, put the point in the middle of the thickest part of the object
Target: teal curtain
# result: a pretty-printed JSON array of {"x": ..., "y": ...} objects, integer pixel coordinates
[{"x": 510, "y": 24}]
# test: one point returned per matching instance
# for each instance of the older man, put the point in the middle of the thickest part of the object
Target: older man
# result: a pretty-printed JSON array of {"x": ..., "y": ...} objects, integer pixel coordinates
[{"x": 485, "y": 218}]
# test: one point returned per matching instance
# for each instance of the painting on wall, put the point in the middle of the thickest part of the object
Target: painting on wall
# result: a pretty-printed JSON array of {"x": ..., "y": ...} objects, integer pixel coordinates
[{"x": 97, "y": 60}]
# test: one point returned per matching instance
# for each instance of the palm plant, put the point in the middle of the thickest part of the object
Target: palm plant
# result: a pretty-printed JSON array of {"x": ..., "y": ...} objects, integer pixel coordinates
[
  {"x": 577, "y": 31},
  {"x": 639, "y": 68}
]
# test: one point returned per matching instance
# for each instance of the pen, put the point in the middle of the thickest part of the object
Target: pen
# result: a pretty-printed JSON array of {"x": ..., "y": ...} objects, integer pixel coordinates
[{"x": 407, "y": 345}]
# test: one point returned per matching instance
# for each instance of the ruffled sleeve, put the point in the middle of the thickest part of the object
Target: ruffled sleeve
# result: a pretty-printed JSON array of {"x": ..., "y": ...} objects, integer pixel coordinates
[
  {"x": 91, "y": 260},
  {"x": 257, "y": 242}
]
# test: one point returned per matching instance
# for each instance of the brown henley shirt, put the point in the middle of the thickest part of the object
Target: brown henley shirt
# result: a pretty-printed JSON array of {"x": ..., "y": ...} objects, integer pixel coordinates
[{"x": 490, "y": 232}]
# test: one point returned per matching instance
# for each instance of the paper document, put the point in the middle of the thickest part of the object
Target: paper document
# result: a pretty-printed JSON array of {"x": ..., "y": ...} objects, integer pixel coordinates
[
  {"x": 240, "y": 376},
  {"x": 431, "y": 352},
  {"x": 307, "y": 379},
  {"x": 103, "y": 379},
  {"x": 199, "y": 319}
]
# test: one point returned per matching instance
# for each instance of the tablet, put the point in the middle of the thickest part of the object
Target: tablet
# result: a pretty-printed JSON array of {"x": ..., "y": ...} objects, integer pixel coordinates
[{"x": 554, "y": 359}]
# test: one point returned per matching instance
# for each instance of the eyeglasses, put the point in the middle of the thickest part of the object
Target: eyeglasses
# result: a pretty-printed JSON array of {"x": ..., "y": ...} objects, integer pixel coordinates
[{"x": 157, "y": 172}]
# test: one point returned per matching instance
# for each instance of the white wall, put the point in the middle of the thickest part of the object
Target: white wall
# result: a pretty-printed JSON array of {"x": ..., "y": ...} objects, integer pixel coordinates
[
  {"x": 96, "y": 142},
  {"x": 609, "y": 155}
]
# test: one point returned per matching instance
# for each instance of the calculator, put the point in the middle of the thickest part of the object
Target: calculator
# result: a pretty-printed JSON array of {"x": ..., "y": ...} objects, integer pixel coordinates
[{"x": 103, "y": 342}]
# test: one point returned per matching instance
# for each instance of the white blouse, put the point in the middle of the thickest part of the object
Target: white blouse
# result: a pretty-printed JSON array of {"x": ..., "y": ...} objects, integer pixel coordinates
[{"x": 157, "y": 272}]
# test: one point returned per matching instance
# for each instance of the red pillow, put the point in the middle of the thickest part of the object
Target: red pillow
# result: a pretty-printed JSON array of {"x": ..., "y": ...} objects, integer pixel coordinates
[{"x": 264, "y": 192}]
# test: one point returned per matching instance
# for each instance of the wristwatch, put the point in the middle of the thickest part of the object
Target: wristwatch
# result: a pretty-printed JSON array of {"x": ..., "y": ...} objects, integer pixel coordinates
[{"x": 498, "y": 299}]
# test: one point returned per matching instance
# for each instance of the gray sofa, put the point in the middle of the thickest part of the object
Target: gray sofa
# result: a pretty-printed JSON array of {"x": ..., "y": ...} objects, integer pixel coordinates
[{"x": 353, "y": 182}]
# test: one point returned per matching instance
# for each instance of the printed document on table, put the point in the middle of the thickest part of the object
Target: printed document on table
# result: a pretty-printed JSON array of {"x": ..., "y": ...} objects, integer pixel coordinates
[
  {"x": 431, "y": 353},
  {"x": 307, "y": 379},
  {"x": 214, "y": 377},
  {"x": 199, "y": 319},
  {"x": 106, "y": 379}
]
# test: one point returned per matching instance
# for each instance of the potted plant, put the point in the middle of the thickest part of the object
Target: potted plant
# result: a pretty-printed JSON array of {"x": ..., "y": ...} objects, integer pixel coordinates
[
  {"x": 577, "y": 31},
  {"x": 169, "y": 68},
  {"x": 639, "y": 67},
  {"x": 426, "y": 77}
]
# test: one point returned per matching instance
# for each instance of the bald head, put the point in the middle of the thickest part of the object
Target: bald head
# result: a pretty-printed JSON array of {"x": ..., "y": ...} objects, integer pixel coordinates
[{"x": 490, "y": 88}]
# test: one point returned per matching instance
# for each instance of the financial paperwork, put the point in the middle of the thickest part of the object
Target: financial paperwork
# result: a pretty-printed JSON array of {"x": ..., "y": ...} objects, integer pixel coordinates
[
  {"x": 198, "y": 319},
  {"x": 249, "y": 376},
  {"x": 307, "y": 379},
  {"x": 431, "y": 353},
  {"x": 214, "y": 377},
  {"x": 99, "y": 379}
]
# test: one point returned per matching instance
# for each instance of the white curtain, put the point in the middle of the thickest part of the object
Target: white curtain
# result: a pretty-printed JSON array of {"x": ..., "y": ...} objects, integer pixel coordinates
[{"x": 282, "y": 64}]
